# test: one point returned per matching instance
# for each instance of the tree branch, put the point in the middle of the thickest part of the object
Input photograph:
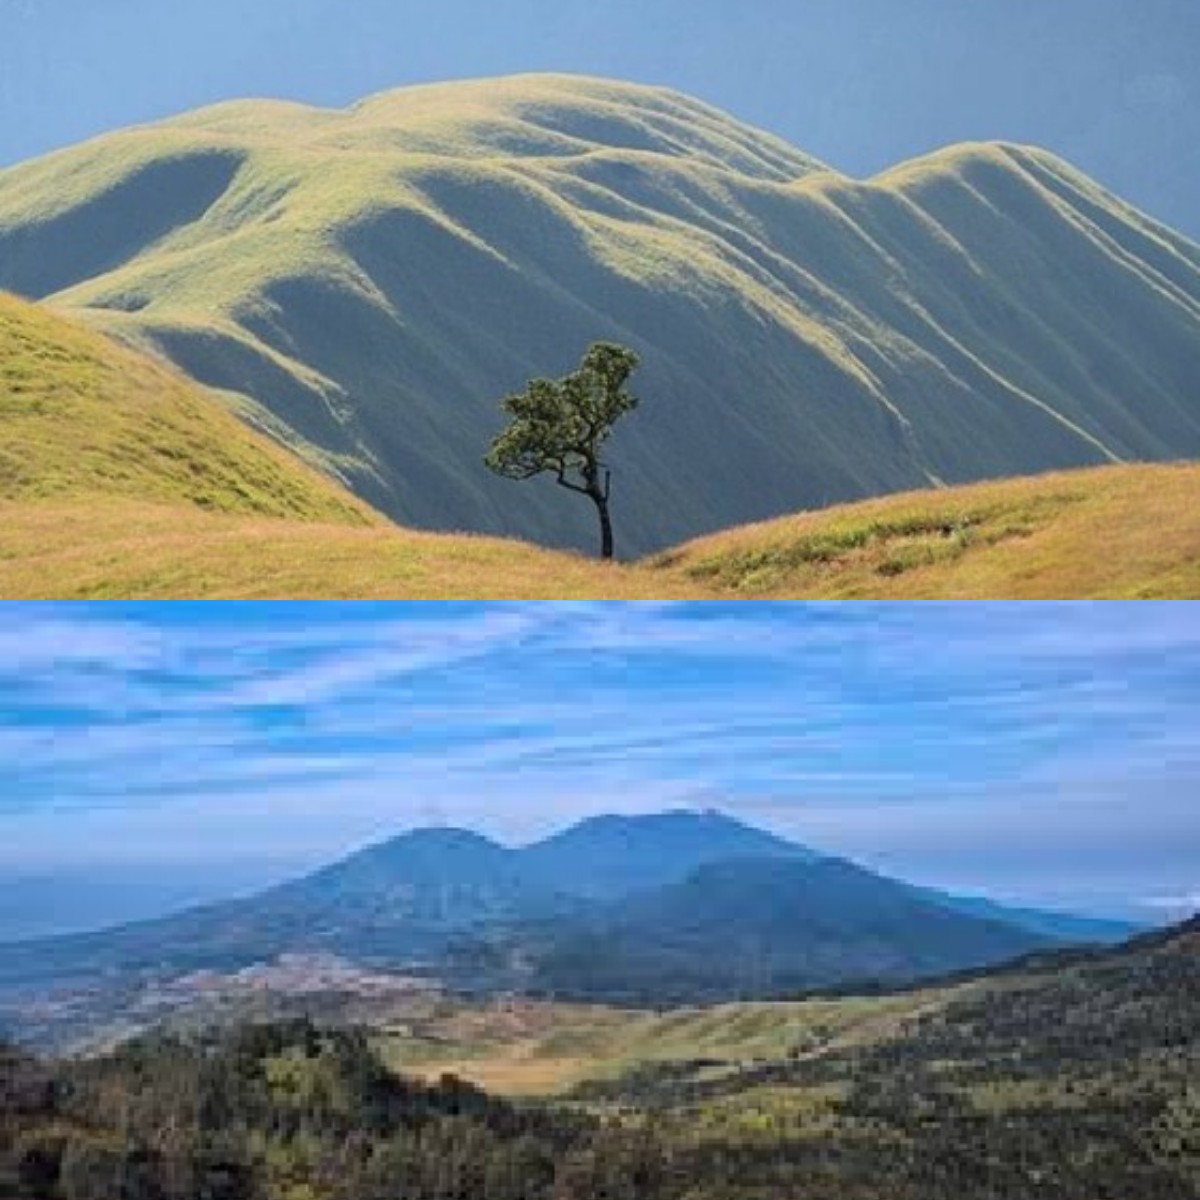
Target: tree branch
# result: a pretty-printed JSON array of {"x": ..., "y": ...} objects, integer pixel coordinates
[{"x": 573, "y": 487}]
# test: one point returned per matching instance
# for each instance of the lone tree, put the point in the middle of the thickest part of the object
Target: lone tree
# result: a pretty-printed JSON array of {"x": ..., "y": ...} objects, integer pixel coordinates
[{"x": 560, "y": 425}]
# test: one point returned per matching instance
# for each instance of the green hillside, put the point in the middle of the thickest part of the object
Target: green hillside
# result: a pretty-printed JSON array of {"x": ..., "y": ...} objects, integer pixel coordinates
[
  {"x": 84, "y": 420},
  {"x": 120, "y": 478},
  {"x": 366, "y": 283},
  {"x": 1073, "y": 1078}
]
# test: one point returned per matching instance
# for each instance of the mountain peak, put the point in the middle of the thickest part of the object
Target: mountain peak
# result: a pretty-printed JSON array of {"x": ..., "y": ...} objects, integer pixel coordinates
[
  {"x": 673, "y": 821},
  {"x": 532, "y": 116},
  {"x": 613, "y": 854}
]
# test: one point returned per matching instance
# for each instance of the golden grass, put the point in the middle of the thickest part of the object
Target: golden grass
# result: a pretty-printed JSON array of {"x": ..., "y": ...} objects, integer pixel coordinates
[
  {"x": 1115, "y": 532},
  {"x": 82, "y": 416},
  {"x": 119, "y": 478},
  {"x": 530, "y": 1047},
  {"x": 1110, "y": 532},
  {"x": 106, "y": 549}
]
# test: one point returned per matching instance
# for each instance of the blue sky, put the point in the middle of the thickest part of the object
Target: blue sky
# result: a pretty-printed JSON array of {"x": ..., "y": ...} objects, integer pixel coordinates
[
  {"x": 1114, "y": 85},
  {"x": 1049, "y": 752}
]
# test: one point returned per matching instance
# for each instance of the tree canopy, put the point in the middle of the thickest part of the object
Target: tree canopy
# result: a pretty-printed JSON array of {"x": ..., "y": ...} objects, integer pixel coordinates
[{"x": 560, "y": 426}]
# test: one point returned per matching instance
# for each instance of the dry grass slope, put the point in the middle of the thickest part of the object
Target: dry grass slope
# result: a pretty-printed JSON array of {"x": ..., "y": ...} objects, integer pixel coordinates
[
  {"x": 121, "y": 479},
  {"x": 530, "y": 1047},
  {"x": 1113, "y": 532},
  {"x": 85, "y": 419},
  {"x": 1129, "y": 532}
]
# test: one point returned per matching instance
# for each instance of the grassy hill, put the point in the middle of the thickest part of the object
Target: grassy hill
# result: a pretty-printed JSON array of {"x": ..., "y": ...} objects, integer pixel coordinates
[
  {"x": 85, "y": 421},
  {"x": 1071, "y": 1077},
  {"x": 1114, "y": 532},
  {"x": 120, "y": 478},
  {"x": 368, "y": 282}
]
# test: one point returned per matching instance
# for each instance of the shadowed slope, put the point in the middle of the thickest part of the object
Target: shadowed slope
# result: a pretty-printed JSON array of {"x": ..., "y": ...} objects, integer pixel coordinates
[
  {"x": 780, "y": 925},
  {"x": 372, "y": 280}
]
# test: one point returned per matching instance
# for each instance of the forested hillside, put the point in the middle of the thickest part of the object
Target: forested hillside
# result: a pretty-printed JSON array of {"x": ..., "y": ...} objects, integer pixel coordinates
[{"x": 1073, "y": 1079}]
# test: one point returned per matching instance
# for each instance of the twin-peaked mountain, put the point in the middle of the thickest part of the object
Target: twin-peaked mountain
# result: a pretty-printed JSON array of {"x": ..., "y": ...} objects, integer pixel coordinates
[
  {"x": 671, "y": 906},
  {"x": 365, "y": 284}
]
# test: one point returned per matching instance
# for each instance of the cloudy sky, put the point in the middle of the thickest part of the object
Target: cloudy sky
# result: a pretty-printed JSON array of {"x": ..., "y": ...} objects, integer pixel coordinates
[
  {"x": 1113, "y": 85},
  {"x": 1047, "y": 752}
]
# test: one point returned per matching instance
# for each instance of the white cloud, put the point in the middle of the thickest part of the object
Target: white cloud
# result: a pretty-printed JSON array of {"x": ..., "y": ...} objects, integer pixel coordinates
[{"x": 915, "y": 732}]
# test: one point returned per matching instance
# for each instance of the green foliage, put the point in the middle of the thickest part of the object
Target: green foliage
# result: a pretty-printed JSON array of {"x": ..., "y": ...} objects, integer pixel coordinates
[
  {"x": 1072, "y": 1078},
  {"x": 560, "y": 427},
  {"x": 288, "y": 1111}
]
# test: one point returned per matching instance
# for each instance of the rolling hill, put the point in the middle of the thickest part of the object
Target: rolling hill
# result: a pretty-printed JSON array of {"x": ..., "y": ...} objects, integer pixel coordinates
[
  {"x": 85, "y": 421},
  {"x": 119, "y": 477},
  {"x": 1115, "y": 532},
  {"x": 364, "y": 284},
  {"x": 1073, "y": 1078}
]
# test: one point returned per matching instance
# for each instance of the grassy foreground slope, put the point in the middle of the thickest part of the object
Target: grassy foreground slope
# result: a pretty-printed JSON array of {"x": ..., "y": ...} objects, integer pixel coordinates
[
  {"x": 370, "y": 280},
  {"x": 119, "y": 478},
  {"x": 1132, "y": 533},
  {"x": 1114, "y": 532}
]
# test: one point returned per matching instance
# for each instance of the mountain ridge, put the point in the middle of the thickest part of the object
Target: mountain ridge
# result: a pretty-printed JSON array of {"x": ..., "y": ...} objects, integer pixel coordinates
[
  {"x": 783, "y": 925},
  {"x": 979, "y": 313},
  {"x": 462, "y": 911}
]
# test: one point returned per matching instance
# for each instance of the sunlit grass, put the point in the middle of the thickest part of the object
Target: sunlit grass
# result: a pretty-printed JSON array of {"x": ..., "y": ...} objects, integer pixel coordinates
[
  {"x": 529, "y": 1047},
  {"x": 83, "y": 417},
  {"x": 1131, "y": 532}
]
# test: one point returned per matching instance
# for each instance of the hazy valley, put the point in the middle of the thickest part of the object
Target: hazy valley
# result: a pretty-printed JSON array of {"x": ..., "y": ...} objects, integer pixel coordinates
[
  {"x": 1070, "y": 1068},
  {"x": 619, "y": 910}
]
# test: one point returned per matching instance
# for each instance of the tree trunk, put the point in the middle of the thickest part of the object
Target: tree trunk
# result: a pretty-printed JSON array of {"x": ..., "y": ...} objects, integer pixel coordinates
[{"x": 606, "y": 533}]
